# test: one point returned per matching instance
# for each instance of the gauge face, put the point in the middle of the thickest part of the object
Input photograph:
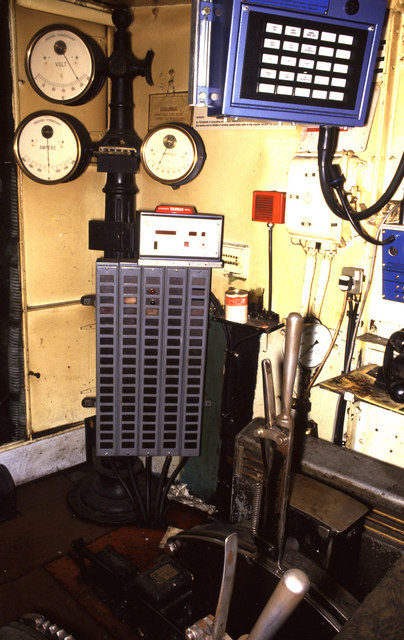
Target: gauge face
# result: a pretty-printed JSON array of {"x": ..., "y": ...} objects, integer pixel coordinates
[
  {"x": 49, "y": 148},
  {"x": 173, "y": 154},
  {"x": 61, "y": 65},
  {"x": 315, "y": 340}
]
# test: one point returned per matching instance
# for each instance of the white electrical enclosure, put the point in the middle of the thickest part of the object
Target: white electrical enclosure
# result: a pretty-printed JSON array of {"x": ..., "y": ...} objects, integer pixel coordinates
[
  {"x": 172, "y": 239},
  {"x": 307, "y": 216}
]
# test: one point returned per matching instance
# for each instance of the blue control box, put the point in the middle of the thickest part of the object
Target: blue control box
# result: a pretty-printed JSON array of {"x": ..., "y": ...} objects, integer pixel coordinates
[
  {"x": 393, "y": 264},
  {"x": 311, "y": 61}
]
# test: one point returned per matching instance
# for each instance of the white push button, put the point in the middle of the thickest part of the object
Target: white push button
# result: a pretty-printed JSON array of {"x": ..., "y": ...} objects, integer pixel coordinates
[
  {"x": 266, "y": 88},
  {"x": 270, "y": 43},
  {"x": 272, "y": 27},
  {"x": 269, "y": 58},
  {"x": 268, "y": 73}
]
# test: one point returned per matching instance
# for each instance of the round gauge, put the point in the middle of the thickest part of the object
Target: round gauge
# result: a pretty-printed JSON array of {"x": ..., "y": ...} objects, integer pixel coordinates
[
  {"x": 173, "y": 154},
  {"x": 52, "y": 147},
  {"x": 314, "y": 343},
  {"x": 64, "y": 65}
]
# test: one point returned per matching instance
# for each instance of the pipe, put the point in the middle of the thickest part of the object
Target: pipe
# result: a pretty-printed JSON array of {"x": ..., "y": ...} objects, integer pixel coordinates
[
  {"x": 310, "y": 268},
  {"x": 88, "y": 11},
  {"x": 323, "y": 278}
]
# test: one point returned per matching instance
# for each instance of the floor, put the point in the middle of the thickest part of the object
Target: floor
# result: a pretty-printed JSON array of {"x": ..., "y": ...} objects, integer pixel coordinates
[{"x": 36, "y": 570}]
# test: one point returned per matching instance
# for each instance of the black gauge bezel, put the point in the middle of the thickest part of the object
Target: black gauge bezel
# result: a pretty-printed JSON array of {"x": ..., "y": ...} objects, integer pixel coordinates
[
  {"x": 198, "y": 159},
  {"x": 82, "y": 138},
  {"x": 98, "y": 63}
]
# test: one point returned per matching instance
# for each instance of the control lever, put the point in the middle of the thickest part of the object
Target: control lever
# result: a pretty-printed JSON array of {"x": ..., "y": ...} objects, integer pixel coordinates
[
  {"x": 289, "y": 592},
  {"x": 280, "y": 431},
  {"x": 214, "y": 628}
]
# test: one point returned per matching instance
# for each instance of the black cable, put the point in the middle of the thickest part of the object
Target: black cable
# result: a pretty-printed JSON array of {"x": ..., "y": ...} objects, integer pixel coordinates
[
  {"x": 124, "y": 485},
  {"x": 270, "y": 230},
  {"x": 169, "y": 482},
  {"x": 148, "y": 466},
  {"x": 136, "y": 490},
  {"x": 342, "y": 403},
  {"x": 336, "y": 181},
  {"x": 327, "y": 143},
  {"x": 161, "y": 485},
  {"x": 356, "y": 225}
]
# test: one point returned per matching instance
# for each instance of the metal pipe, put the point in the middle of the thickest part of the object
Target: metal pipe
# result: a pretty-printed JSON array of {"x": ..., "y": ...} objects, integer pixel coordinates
[
  {"x": 289, "y": 592},
  {"x": 90, "y": 11}
]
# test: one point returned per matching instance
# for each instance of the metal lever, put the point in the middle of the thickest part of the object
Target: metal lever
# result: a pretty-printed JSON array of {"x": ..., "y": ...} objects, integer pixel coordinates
[
  {"x": 214, "y": 628},
  {"x": 280, "y": 431},
  {"x": 269, "y": 393},
  {"x": 289, "y": 592}
]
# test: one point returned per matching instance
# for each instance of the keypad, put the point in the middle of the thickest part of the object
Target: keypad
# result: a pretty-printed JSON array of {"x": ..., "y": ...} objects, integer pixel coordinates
[{"x": 288, "y": 59}]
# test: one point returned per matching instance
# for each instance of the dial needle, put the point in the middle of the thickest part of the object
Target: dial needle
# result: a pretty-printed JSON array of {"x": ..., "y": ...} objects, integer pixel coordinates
[
  {"x": 308, "y": 349},
  {"x": 47, "y": 156},
  {"x": 74, "y": 73},
  {"x": 161, "y": 159}
]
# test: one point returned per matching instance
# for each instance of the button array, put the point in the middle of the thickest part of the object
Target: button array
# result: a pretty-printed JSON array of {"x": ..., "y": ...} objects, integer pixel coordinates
[{"x": 307, "y": 63}]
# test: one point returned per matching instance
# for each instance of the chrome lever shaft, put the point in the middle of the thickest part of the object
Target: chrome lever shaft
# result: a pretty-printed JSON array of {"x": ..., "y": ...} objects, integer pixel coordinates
[{"x": 226, "y": 588}]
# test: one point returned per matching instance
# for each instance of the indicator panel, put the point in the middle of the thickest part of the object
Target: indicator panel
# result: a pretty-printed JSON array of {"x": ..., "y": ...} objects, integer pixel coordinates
[{"x": 178, "y": 238}]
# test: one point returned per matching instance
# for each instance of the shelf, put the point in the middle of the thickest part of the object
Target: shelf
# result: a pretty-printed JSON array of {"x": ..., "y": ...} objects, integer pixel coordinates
[
  {"x": 263, "y": 325},
  {"x": 362, "y": 384}
]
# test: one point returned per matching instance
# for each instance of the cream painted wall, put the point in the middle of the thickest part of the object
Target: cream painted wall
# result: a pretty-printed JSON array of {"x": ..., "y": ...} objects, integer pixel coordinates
[
  {"x": 58, "y": 268},
  {"x": 239, "y": 162}
]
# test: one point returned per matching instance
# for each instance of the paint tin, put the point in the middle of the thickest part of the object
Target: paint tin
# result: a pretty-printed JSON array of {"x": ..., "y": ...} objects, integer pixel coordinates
[{"x": 236, "y": 305}]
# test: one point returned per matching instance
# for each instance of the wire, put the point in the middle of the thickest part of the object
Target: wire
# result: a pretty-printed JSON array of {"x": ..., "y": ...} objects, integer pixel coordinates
[
  {"x": 136, "y": 490},
  {"x": 356, "y": 225},
  {"x": 124, "y": 485},
  {"x": 327, "y": 142},
  {"x": 170, "y": 481},
  {"x": 369, "y": 280},
  {"x": 361, "y": 309},
  {"x": 333, "y": 341},
  {"x": 162, "y": 481},
  {"x": 148, "y": 486}
]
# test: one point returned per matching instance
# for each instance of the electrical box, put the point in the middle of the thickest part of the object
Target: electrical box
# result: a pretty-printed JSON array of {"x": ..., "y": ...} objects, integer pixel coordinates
[
  {"x": 307, "y": 215},
  {"x": 393, "y": 263},
  {"x": 152, "y": 327},
  {"x": 309, "y": 61},
  {"x": 180, "y": 239}
]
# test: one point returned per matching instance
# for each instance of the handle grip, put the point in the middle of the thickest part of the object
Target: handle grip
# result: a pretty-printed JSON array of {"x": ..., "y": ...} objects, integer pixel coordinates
[
  {"x": 289, "y": 592},
  {"x": 294, "y": 323}
]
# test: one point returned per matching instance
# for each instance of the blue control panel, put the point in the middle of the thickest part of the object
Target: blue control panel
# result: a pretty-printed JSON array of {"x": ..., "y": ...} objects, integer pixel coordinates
[
  {"x": 393, "y": 264},
  {"x": 310, "y": 61}
]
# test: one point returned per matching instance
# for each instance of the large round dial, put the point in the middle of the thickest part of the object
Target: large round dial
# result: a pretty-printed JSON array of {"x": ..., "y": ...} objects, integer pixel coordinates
[
  {"x": 52, "y": 147},
  {"x": 173, "y": 154},
  {"x": 314, "y": 343},
  {"x": 64, "y": 65}
]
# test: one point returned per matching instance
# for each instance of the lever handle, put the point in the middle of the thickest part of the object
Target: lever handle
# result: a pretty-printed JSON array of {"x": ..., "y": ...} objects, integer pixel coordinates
[
  {"x": 226, "y": 588},
  {"x": 289, "y": 592},
  {"x": 294, "y": 323},
  {"x": 269, "y": 393}
]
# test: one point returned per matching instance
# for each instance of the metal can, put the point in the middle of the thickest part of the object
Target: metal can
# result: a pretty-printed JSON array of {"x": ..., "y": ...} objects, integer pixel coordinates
[{"x": 236, "y": 305}]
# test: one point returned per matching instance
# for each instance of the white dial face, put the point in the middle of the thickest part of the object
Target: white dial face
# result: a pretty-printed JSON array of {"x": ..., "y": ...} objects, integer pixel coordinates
[
  {"x": 60, "y": 65},
  {"x": 47, "y": 148},
  {"x": 169, "y": 154},
  {"x": 314, "y": 343}
]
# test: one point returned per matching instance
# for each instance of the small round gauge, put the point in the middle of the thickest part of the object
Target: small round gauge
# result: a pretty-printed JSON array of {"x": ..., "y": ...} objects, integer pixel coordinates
[
  {"x": 314, "y": 343},
  {"x": 64, "y": 65},
  {"x": 52, "y": 147},
  {"x": 173, "y": 154}
]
